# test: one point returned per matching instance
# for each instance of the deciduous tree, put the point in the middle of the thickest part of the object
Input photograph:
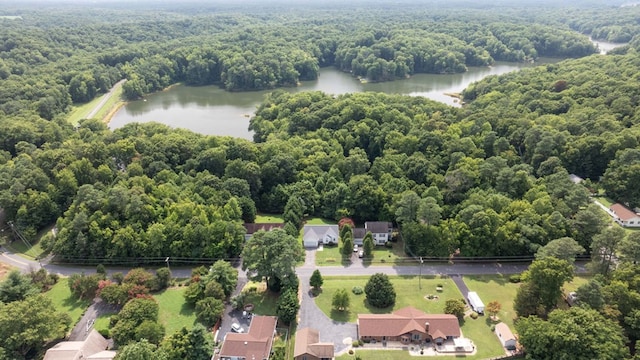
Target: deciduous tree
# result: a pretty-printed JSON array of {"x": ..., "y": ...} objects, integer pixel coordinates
[
  {"x": 272, "y": 254},
  {"x": 340, "y": 300},
  {"x": 316, "y": 280},
  {"x": 454, "y": 307}
]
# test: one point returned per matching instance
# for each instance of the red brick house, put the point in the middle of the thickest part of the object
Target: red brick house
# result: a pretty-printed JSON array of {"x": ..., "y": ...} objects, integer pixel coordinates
[
  {"x": 408, "y": 326},
  {"x": 255, "y": 344}
]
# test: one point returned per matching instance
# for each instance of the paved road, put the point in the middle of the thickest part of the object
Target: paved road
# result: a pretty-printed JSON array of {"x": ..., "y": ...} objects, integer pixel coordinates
[{"x": 104, "y": 99}]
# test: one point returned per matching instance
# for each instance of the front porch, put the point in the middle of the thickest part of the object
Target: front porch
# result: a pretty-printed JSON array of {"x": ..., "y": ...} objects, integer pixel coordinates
[{"x": 459, "y": 346}]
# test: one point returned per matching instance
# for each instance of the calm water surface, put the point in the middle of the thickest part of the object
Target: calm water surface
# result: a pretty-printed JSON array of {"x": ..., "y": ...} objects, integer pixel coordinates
[{"x": 213, "y": 111}]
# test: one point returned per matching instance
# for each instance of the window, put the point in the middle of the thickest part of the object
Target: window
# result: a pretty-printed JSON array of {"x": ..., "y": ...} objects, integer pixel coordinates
[{"x": 416, "y": 336}]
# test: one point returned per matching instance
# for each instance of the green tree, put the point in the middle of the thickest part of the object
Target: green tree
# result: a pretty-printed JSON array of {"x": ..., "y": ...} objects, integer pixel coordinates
[
  {"x": 590, "y": 294},
  {"x": 209, "y": 310},
  {"x": 151, "y": 331},
  {"x": 26, "y": 325},
  {"x": 163, "y": 278},
  {"x": 577, "y": 333},
  {"x": 527, "y": 301},
  {"x": 380, "y": 292},
  {"x": 214, "y": 290},
  {"x": 340, "y": 300},
  {"x": 270, "y": 255},
  {"x": 629, "y": 248},
  {"x": 287, "y": 306},
  {"x": 114, "y": 294},
  {"x": 454, "y": 307},
  {"x": 563, "y": 248},
  {"x": 135, "y": 312},
  {"x": 316, "y": 280},
  {"x": 142, "y": 350},
  {"x": 429, "y": 211},
  {"x": 347, "y": 245},
  {"x": 188, "y": 344},
  {"x": 17, "y": 287},
  {"x": 407, "y": 208},
  {"x": 367, "y": 245},
  {"x": 225, "y": 274},
  {"x": 604, "y": 247},
  {"x": 545, "y": 278}
]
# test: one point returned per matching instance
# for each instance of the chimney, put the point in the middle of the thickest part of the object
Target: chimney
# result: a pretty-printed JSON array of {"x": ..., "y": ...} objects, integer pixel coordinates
[{"x": 426, "y": 327}]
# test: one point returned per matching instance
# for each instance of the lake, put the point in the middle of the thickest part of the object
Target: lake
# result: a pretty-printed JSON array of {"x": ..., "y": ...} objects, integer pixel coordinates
[{"x": 213, "y": 111}]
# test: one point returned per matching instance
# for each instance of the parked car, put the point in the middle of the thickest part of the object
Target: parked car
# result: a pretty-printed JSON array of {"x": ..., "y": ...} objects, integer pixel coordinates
[
  {"x": 572, "y": 298},
  {"x": 361, "y": 254},
  {"x": 235, "y": 327},
  {"x": 355, "y": 248}
]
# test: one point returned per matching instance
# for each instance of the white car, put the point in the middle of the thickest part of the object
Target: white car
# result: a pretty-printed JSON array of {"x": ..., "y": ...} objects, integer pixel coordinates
[
  {"x": 235, "y": 327},
  {"x": 355, "y": 248},
  {"x": 361, "y": 254}
]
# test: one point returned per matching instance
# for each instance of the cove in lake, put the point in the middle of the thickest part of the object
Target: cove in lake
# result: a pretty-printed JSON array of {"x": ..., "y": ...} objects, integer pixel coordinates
[{"x": 211, "y": 110}]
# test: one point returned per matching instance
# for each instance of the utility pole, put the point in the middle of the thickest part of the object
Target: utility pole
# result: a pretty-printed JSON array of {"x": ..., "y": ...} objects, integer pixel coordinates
[
  {"x": 18, "y": 234},
  {"x": 420, "y": 276}
]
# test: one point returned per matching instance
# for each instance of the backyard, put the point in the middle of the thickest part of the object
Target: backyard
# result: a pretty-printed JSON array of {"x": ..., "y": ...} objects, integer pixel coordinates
[{"x": 174, "y": 312}]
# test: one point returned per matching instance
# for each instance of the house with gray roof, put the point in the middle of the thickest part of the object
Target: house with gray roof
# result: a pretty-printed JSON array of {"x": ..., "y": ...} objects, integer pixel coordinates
[{"x": 314, "y": 235}]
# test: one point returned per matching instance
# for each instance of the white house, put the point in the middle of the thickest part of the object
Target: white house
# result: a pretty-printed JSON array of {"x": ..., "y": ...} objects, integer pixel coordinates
[
  {"x": 475, "y": 302},
  {"x": 507, "y": 339},
  {"x": 320, "y": 234},
  {"x": 624, "y": 216},
  {"x": 381, "y": 231}
]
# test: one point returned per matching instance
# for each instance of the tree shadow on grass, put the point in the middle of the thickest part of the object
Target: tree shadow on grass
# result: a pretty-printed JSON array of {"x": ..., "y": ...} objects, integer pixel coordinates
[
  {"x": 73, "y": 302},
  {"x": 341, "y": 316},
  {"x": 187, "y": 310},
  {"x": 498, "y": 279},
  {"x": 376, "y": 310}
]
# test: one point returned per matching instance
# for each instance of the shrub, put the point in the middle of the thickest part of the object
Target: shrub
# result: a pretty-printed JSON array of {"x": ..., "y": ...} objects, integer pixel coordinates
[
  {"x": 515, "y": 278},
  {"x": 474, "y": 315},
  {"x": 493, "y": 328},
  {"x": 355, "y": 343},
  {"x": 358, "y": 290},
  {"x": 105, "y": 333},
  {"x": 350, "y": 352},
  {"x": 360, "y": 342},
  {"x": 388, "y": 245}
]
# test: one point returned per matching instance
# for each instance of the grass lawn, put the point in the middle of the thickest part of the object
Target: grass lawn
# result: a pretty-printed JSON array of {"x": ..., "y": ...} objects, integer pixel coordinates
[
  {"x": 64, "y": 301},
  {"x": 102, "y": 322},
  {"x": 320, "y": 221},
  {"x": 406, "y": 287},
  {"x": 33, "y": 252},
  {"x": 263, "y": 300},
  {"x": 268, "y": 218},
  {"x": 80, "y": 111},
  {"x": 495, "y": 288},
  {"x": 382, "y": 256},
  {"x": 605, "y": 201},
  {"x": 174, "y": 312}
]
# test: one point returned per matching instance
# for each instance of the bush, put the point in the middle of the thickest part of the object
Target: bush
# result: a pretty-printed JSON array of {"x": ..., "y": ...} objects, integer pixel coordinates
[
  {"x": 105, "y": 333},
  {"x": 358, "y": 290},
  {"x": 360, "y": 342},
  {"x": 388, "y": 245},
  {"x": 350, "y": 352},
  {"x": 515, "y": 278},
  {"x": 474, "y": 315},
  {"x": 355, "y": 343},
  {"x": 493, "y": 328}
]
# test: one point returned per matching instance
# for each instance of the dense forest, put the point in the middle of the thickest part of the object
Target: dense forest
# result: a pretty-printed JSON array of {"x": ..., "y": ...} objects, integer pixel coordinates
[
  {"x": 496, "y": 170},
  {"x": 489, "y": 179}
]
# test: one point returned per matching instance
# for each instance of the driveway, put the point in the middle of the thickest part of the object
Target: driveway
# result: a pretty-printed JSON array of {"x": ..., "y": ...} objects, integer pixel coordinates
[
  {"x": 339, "y": 333},
  {"x": 457, "y": 279},
  {"x": 232, "y": 315}
]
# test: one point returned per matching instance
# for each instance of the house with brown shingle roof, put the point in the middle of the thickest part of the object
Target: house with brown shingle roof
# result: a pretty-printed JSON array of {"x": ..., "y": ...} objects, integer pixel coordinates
[
  {"x": 309, "y": 347},
  {"x": 252, "y": 228},
  {"x": 408, "y": 326},
  {"x": 255, "y": 344},
  {"x": 623, "y": 216}
]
